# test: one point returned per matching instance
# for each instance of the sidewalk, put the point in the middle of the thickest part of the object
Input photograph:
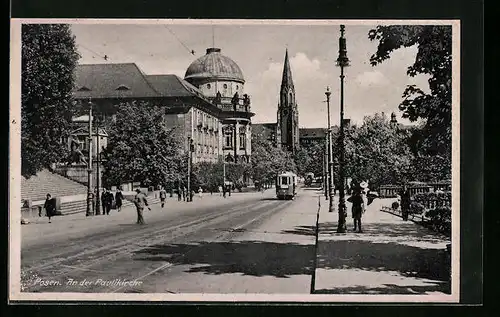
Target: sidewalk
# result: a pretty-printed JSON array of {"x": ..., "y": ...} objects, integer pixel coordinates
[{"x": 391, "y": 256}]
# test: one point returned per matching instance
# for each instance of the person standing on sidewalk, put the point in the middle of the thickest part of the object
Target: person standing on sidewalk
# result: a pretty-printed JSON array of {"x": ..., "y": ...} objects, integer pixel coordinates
[
  {"x": 220, "y": 190},
  {"x": 200, "y": 192},
  {"x": 184, "y": 193},
  {"x": 163, "y": 196},
  {"x": 118, "y": 199},
  {"x": 140, "y": 202},
  {"x": 49, "y": 206},
  {"x": 405, "y": 203},
  {"x": 179, "y": 193},
  {"x": 358, "y": 207}
]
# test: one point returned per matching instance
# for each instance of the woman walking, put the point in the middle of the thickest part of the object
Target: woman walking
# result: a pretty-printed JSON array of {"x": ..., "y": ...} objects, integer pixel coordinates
[
  {"x": 119, "y": 199},
  {"x": 49, "y": 206}
]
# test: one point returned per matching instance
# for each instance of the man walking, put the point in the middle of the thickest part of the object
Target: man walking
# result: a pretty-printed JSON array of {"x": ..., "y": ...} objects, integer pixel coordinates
[
  {"x": 140, "y": 202},
  {"x": 163, "y": 196},
  {"x": 107, "y": 201}
]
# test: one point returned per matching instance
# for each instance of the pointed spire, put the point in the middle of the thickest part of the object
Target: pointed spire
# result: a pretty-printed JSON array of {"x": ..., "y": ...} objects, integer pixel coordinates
[{"x": 287, "y": 80}]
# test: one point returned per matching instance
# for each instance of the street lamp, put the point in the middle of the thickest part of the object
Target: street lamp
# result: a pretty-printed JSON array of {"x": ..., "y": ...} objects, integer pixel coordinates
[
  {"x": 190, "y": 163},
  {"x": 98, "y": 173},
  {"x": 342, "y": 61},
  {"x": 90, "y": 194},
  {"x": 330, "y": 152}
]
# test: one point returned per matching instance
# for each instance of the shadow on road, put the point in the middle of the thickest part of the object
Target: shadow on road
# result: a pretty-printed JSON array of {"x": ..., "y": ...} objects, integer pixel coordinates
[
  {"x": 393, "y": 230},
  {"x": 443, "y": 287},
  {"x": 256, "y": 258},
  {"x": 269, "y": 198}
]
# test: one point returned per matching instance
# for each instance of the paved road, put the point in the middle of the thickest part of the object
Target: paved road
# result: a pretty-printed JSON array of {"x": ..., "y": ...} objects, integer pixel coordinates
[{"x": 243, "y": 244}]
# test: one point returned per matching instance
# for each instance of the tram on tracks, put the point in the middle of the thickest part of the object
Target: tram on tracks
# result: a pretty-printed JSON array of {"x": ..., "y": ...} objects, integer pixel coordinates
[{"x": 286, "y": 185}]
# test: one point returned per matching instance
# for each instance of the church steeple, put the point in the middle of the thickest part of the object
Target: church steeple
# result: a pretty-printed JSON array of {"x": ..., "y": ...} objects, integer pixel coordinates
[
  {"x": 287, "y": 81},
  {"x": 288, "y": 114}
]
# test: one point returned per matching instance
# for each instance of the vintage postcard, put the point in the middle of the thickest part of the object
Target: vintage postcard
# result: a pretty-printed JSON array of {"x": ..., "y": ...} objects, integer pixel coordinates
[{"x": 234, "y": 160}]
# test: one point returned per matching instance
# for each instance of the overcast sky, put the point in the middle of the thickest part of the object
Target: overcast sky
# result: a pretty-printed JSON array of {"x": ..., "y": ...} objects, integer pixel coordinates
[{"x": 259, "y": 50}]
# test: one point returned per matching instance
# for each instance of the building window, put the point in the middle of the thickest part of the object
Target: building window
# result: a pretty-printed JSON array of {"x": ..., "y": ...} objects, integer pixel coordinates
[
  {"x": 228, "y": 143},
  {"x": 243, "y": 142},
  {"x": 208, "y": 86},
  {"x": 237, "y": 87},
  {"x": 225, "y": 86}
]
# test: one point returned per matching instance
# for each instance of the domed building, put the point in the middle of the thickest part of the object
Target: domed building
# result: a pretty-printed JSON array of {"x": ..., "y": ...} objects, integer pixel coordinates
[{"x": 221, "y": 81}]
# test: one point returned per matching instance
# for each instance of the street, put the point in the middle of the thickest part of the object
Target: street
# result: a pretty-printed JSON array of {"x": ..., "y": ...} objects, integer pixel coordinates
[
  {"x": 214, "y": 245},
  {"x": 246, "y": 243}
]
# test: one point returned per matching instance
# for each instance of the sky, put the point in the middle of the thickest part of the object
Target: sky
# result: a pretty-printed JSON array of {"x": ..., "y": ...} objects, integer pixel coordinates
[{"x": 259, "y": 50}]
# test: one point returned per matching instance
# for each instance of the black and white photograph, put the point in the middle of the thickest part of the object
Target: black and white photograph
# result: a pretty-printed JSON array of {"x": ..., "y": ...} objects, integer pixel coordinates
[{"x": 235, "y": 160}]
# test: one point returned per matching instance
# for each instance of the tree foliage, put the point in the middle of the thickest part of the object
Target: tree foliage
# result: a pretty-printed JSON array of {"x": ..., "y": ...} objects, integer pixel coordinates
[
  {"x": 49, "y": 57},
  {"x": 434, "y": 59},
  {"x": 377, "y": 152},
  {"x": 141, "y": 148},
  {"x": 268, "y": 160}
]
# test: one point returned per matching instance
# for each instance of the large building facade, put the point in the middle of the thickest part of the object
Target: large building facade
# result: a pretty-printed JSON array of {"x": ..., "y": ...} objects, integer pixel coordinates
[{"x": 209, "y": 106}]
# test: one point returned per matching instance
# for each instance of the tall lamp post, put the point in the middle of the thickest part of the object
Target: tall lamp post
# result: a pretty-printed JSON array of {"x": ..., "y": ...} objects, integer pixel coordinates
[
  {"x": 330, "y": 154},
  {"x": 342, "y": 61},
  {"x": 90, "y": 194},
  {"x": 98, "y": 173},
  {"x": 190, "y": 166}
]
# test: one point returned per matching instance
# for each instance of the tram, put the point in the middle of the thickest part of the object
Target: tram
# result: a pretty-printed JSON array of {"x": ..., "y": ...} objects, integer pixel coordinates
[{"x": 286, "y": 185}]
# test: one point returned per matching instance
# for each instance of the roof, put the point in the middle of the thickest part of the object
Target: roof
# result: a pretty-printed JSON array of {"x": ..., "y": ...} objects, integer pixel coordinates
[
  {"x": 287, "y": 80},
  {"x": 112, "y": 81},
  {"x": 214, "y": 65},
  {"x": 264, "y": 130},
  {"x": 173, "y": 86},
  {"x": 312, "y": 133}
]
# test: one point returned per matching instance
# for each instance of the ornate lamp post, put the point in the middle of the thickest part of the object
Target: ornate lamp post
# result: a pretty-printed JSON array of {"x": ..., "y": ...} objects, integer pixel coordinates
[
  {"x": 98, "y": 172},
  {"x": 330, "y": 152},
  {"x": 90, "y": 194},
  {"x": 190, "y": 166},
  {"x": 342, "y": 61}
]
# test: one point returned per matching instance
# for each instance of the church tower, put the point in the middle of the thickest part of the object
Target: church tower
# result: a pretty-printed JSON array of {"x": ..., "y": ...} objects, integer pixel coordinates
[{"x": 288, "y": 115}]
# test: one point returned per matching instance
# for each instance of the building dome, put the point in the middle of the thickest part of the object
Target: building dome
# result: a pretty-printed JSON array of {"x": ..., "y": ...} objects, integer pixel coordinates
[{"x": 214, "y": 65}]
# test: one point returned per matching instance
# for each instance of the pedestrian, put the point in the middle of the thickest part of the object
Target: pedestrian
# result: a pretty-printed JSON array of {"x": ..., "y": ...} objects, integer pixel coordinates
[
  {"x": 50, "y": 206},
  {"x": 163, "y": 196},
  {"x": 405, "y": 202},
  {"x": 200, "y": 192},
  {"x": 118, "y": 199},
  {"x": 220, "y": 190},
  {"x": 184, "y": 193},
  {"x": 140, "y": 202},
  {"x": 179, "y": 194},
  {"x": 107, "y": 201},
  {"x": 358, "y": 207}
]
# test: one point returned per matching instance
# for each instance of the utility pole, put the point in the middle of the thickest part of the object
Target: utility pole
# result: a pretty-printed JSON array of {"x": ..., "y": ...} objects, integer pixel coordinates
[
  {"x": 98, "y": 174},
  {"x": 342, "y": 61},
  {"x": 330, "y": 152},
  {"x": 90, "y": 194}
]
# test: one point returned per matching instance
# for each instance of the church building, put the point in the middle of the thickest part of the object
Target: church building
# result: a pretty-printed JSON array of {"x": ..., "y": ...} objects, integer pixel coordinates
[{"x": 285, "y": 133}]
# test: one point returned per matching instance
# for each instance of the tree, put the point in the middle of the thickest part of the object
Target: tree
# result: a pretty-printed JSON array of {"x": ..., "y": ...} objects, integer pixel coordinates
[
  {"x": 49, "y": 57},
  {"x": 268, "y": 160},
  {"x": 435, "y": 60},
  {"x": 141, "y": 148},
  {"x": 377, "y": 152}
]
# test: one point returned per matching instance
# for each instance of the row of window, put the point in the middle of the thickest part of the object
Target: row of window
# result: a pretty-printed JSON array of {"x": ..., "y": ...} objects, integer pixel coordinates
[
  {"x": 209, "y": 86},
  {"x": 229, "y": 140},
  {"x": 205, "y": 119},
  {"x": 206, "y": 149}
]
